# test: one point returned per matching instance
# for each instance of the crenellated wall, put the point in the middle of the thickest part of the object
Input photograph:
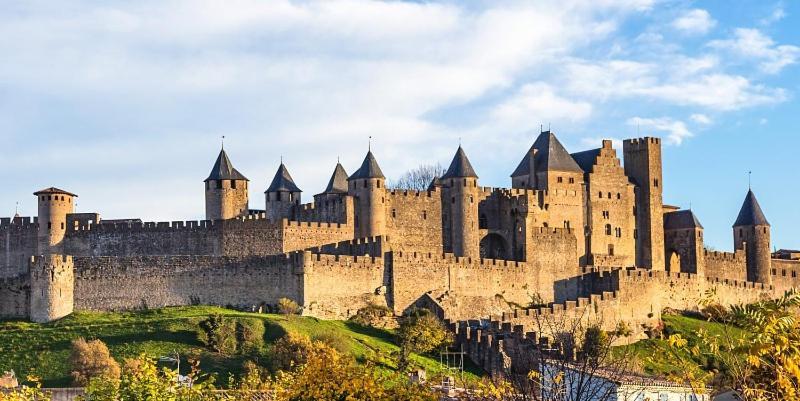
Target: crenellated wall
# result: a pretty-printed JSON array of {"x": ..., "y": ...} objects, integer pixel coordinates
[
  {"x": 18, "y": 242},
  {"x": 337, "y": 286},
  {"x": 726, "y": 265},
  {"x": 414, "y": 219}
]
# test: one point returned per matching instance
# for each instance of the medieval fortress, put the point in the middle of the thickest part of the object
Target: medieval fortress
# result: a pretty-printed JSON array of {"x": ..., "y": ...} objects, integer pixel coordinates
[{"x": 577, "y": 232}]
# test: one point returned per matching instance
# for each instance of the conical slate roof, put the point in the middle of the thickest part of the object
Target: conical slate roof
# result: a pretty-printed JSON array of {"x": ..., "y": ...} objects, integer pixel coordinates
[
  {"x": 282, "y": 182},
  {"x": 460, "y": 166},
  {"x": 680, "y": 219},
  {"x": 338, "y": 182},
  {"x": 750, "y": 214},
  {"x": 369, "y": 168},
  {"x": 550, "y": 156},
  {"x": 436, "y": 182},
  {"x": 223, "y": 169}
]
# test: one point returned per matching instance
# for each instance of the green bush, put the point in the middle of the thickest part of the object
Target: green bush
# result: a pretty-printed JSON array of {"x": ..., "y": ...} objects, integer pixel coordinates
[
  {"x": 291, "y": 351},
  {"x": 371, "y": 314},
  {"x": 334, "y": 340},
  {"x": 249, "y": 334},
  {"x": 218, "y": 334}
]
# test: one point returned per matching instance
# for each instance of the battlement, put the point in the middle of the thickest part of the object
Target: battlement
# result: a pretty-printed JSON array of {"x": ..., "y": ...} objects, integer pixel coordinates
[
  {"x": 345, "y": 260},
  {"x": 640, "y": 275},
  {"x": 738, "y": 255},
  {"x": 19, "y": 223},
  {"x": 414, "y": 193},
  {"x": 449, "y": 258},
  {"x": 310, "y": 224},
  {"x": 373, "y": 246},
  {"x": 641, "y": 143},
  {"x": 739, "y": 284},
  {"x": 45, "y": 260},
  {"x": 552, "y": 232}
]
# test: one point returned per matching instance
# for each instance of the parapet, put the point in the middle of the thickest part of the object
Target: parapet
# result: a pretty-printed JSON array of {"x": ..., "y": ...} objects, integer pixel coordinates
[
  {"x": 641, "y": 143},
  {"x": 24, "y": 222},
  {"x": 449, "y": 258},
  {"x": 369, "y": 246}
]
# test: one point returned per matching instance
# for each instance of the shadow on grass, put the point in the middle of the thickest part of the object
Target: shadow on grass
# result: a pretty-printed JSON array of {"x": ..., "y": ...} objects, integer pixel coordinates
[{"x": 371, "y": 331}]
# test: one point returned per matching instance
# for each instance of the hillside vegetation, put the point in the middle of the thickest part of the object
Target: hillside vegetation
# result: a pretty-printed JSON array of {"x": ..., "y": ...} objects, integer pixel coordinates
[{"x": 43, "y": 350}]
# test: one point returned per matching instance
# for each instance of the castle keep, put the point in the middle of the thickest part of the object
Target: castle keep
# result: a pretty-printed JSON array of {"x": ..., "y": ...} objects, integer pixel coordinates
[{"x": 588, "y": 228}]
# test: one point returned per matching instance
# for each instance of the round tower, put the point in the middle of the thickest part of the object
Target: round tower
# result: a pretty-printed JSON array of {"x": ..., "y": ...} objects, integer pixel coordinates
[
  {"x": 226, "y": 191},
  {"x": 282, "y": 196},
  {"x": 368, "y": 186},
  {"x": 751, "y": 232},
  {"x": 461, "y": 194},
  {"x": 54, "y": 206}
]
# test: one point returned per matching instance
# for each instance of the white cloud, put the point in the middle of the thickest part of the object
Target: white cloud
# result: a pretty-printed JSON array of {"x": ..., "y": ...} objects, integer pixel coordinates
[
  {"x": 539, "y": 102},
  {"x": 777, "y": 14},
  {"x": 676, "y": 130},
  {"x": 752, "y": 43},
  {"x": 701, "y": 119},
  {"x": 696, "y": 21}
]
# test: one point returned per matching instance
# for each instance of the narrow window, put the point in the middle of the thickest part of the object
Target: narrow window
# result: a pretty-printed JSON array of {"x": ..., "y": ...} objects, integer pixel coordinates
[
  {"x": 233, "y": 184},
  {"x": 219, "y": 184},
  {"x": 394, "y": 213},
  {"x": 571, "y": 180},
  {"x": 543, "y": 225},
  {"x": 611, "y": 249},
  {"x": 566, "y": 224},
  {"x": 608, "y": 229},
  {"x": 635, "y": 233},
  {"x": 483, "y": 222},
  {"x": 560, "y": 180},
  {"x": 609, "y": 195},
  {"x": 655, "y": 182},
  {"x": 365, "y": 183},
  {"x": 379, "y": 183},
  {"x": 619, "y": 196},
  {"x": 424, "y": 215},
  {"x": 600, "y": 194},
  {"x": 471, "y": 199},
  {"x": 453, "y": 200}
]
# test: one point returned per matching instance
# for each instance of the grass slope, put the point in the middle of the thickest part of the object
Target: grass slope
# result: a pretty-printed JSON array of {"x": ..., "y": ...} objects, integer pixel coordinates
[
  {"x": 43, "y": 349},
  {"x": 651, "y": 352}
]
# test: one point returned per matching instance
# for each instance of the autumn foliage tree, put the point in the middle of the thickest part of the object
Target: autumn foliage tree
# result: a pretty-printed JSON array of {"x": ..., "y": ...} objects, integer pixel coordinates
[
  {"x": 420, "y": 332},
  {"x": 91, "y": 359}
]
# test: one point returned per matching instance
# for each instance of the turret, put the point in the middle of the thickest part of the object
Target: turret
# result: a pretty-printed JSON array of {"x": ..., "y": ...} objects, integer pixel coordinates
[
  {"x": 460, "y": 193},
  {"x": 226, "y": 191},
  {"x": 368, "y": 186},
  {"x": 52, "y": 287},
  {"x": 683, "y": 241},
  {"x": 751, "y": 232},
  {"x": 643, "y": 167},
  {"x": 337, "y": 185},
  {"x": 282, "y": 196},
  {"x": 54, "y": 206}
]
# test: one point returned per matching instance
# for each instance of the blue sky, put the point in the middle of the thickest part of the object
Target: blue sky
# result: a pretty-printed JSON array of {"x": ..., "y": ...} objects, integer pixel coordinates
[{"x": 124, "y": 103}]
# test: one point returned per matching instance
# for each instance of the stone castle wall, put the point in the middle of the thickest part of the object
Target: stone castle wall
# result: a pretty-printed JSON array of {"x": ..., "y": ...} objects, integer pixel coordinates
[
  {"x": 15, "y": 297},
  {"x": 337, "y": 286},
  {"x": 726, "y": 265},
  {"x": 124, "y": 283},
  {"x": 414, "y": 220},
  {"x": 18, "y": 242},
  {"x": 785, "y": 274}
]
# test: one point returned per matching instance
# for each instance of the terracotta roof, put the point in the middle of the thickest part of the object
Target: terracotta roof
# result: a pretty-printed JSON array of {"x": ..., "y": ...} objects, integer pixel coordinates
[
  {"x": 550, "y": 156},
  {"x": 223, "y": 169},
  {"x": 460, "y": 166},
  {"x": 54, "y": 190},
  {"x": 369, "y": 169},
  {"x": 282, "y": 182},
  {"x": 750, "y": 214}
]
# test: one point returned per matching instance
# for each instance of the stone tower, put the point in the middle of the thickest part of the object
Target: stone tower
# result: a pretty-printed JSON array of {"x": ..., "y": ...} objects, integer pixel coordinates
[
  {"x": 337, "y": 185},
  {"x": 751, "y": 232},
  {"x": 282, "y": 196},
  {"x": 683, "y": 237},
  {"x": 54, "y": 206},
  {"x": 368, "y": 186},
  {"x": 643, "y": 166},
  {"x": 52, "y": 282},
  {"x": 226, "y": 191},
  {"x": 460, "y": 193}
]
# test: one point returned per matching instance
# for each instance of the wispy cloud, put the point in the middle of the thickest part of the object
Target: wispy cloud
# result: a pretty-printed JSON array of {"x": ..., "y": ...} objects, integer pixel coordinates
[
  {"x": 695, "y": 21},
  {"x": 754, "y": 44},
  {"x": 676, "y": 130}
]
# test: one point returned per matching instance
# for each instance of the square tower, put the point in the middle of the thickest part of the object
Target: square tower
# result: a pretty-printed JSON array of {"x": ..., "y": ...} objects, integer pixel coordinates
[{"x": 643, "y": 167}]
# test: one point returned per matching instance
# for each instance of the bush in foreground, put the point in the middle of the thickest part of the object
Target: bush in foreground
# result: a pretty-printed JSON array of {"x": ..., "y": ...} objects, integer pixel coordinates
[{"x": 91, "y": 359}]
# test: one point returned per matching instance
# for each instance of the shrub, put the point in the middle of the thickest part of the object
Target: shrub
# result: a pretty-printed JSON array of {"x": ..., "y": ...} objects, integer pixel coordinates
[
  {"x": 91, "y": 359},
  {"x": 595, "y": 341},
  {"x": 249, "y": 334},
  {"x": 218, "y": 334},
  {"x": 291, "y": 351},
  {"x": 420, "y": 332},
  {"x": 371, "y": 314},
  {"x": 334, "y": 340},
  {"x": 287, "y": 306},
  {"x": 715, "y": 312}
]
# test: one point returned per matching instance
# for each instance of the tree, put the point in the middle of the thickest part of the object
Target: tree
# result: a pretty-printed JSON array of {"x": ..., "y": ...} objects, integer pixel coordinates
[
  {"x": 218, "y": 334},
  {"x": 91, "y": 359},
  {"x": 287, "y": 306},
  {"x": 292, "y": 351},
  {"x": 420, "y": 332},
  {"x": 760, "y": 361},
  {"x": 419, "y": 178}
]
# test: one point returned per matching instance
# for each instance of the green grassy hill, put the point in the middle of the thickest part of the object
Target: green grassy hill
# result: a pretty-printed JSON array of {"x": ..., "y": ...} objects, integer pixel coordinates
[{"x": 43, "y": 349}]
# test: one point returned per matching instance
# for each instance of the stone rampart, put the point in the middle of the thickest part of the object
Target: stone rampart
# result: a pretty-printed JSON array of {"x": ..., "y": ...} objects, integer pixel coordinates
[
  {"x": 337, "y": 286},
  {"x": 785, "y": 274},
  {"x": 18, "y": 242},
  {"x": 124, "y": 283},
  {"x": 414, "y": 220},
  {"x": 726, "y": 265},
  {"x": 15, "y": 297}
]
